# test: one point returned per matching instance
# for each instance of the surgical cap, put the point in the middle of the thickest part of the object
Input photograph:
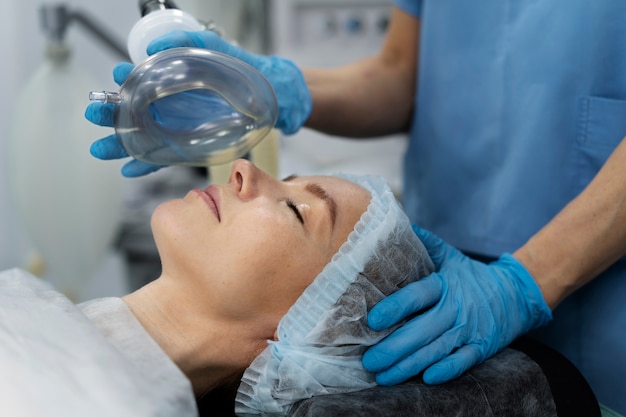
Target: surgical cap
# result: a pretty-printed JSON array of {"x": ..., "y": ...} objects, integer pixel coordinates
[{"x": 323, "y": 336}]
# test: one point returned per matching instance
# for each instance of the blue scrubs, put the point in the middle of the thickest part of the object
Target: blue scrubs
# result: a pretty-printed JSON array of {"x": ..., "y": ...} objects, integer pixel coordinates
[{"x": 518, "y": 105}]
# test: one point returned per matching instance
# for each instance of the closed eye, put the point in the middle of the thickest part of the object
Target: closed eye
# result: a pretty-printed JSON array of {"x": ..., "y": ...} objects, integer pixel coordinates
[{"x": 295, "y": 210}]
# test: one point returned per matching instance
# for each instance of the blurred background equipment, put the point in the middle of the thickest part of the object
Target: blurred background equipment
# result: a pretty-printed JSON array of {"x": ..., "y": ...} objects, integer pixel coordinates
[{"x": 69, "y": 203}]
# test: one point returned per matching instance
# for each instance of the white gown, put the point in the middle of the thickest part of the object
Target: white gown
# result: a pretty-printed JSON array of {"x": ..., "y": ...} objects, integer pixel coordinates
[{"x": 95, "y": 359}]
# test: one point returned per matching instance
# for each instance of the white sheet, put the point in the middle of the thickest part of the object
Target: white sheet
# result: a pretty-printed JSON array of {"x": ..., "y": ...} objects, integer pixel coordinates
[{"x": 55, "y": 362}]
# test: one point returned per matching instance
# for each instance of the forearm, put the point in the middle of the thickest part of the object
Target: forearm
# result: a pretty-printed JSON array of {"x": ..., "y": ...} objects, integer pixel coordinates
[
  {"x": 360, "y": 100},
  {"x": 585, "y": 238},
  {"x": 373, "y": 96}
]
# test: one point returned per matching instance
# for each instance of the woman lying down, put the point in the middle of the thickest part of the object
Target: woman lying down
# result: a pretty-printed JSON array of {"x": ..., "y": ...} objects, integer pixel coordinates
[{"x": 265, "y": 284}]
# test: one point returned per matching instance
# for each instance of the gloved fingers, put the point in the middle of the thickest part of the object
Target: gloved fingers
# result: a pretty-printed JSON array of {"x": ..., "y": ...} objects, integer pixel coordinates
[
  {"x": 137, "y": 168},
  {"x": 407, "y": 339},
  {"x": 201, "y": 39},
  {"x": 400, "y": 372},
  {"x": 437, "y": 248},
  {"x": 454, "y": 365},
  {"x": 108, "y": 148},
  {"x": 288, "y": 82},
  {"x": 122, "y": 71},
  {"x": 100, "y": 113},
  {"x": 175, "y": 39},
  {"x": 406, "y": 301},
  {"x": 420, "y": 360}
]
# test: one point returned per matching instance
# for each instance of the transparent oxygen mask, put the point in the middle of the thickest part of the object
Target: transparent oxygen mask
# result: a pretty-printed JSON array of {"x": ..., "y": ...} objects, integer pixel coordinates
[{"x": 190, "y": 106}]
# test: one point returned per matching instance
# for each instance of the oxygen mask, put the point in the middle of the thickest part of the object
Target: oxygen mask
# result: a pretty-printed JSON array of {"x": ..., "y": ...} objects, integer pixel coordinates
[{"x": 191, "y": 106}]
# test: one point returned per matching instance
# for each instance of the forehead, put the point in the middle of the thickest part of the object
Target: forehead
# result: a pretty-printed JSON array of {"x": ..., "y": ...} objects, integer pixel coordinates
[
  {"x": 351, "y": 200},
  {"x": 342, "y": 190}
]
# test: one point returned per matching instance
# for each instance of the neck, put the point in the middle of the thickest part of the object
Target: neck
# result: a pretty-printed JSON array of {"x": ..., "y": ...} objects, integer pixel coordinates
[{"x": 208, "y": 348}]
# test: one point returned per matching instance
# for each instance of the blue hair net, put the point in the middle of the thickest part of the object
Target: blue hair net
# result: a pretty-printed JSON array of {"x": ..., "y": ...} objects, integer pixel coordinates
[{"x": 323, "y": 336}]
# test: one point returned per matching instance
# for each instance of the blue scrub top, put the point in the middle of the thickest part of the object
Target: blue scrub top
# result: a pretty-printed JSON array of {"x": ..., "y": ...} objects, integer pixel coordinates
[
  {"x": 518, "y": 105},
  {"x": 523, "y": 102}
]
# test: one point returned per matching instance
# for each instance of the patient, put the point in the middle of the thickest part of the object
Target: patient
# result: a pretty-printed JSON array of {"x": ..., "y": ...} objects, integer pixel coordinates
[
  {"x": 235, "y": 259},
  {"x": 265, "y": 285}
]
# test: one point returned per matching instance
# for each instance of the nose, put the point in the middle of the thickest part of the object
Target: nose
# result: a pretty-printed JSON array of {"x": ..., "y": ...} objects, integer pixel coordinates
[{"x": 247, "y": 178}]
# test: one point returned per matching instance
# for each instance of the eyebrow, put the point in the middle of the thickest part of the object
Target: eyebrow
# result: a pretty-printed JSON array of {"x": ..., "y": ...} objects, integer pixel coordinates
[{"x": 319, "y": 192}]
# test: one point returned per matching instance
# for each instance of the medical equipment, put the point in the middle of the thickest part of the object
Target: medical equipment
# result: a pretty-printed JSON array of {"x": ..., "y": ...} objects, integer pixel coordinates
[
  {"x": 324, "y": 334},
  {"x": 285, "y": 77},
  {"x": 158, "y": 18},
  {"x": 191, "y": 106},
  {"x": 185, "y": 107},
  {"x": 69, "y": 203}
]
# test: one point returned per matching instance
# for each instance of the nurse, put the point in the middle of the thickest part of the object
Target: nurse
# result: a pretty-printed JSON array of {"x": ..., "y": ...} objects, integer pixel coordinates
[{"x": 512, "y": 108}]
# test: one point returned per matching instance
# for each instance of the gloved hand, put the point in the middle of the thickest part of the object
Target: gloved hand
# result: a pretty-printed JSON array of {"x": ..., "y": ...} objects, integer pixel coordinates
[
  {"x": 109, "y": 147},
  {"x": 464, "y": 313},
  {"x": 292, "y": 93},
  {"x": 294, "y": 99}
]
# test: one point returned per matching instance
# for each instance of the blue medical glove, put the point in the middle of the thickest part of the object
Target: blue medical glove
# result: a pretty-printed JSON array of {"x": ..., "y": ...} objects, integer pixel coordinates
[
  {"x": 292, "y": 93},
  {"x": 109, "y": 147},
  {"x": 463, "y": 314}
]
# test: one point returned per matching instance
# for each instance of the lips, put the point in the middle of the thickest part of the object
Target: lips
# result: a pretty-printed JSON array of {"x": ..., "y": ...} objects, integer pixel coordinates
[{"x": 210, "y": 195}]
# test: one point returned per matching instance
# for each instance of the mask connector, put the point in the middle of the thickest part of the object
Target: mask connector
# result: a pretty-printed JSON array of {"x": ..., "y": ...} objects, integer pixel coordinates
[{"x": 105, "y": 97}]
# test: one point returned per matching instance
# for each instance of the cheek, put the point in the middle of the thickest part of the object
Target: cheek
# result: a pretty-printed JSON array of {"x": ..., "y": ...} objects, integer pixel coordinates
[
  {"x": 276, "y": 263},
  {"x": 165, "y": 222},
  {"x": 176, "y": 227}
]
